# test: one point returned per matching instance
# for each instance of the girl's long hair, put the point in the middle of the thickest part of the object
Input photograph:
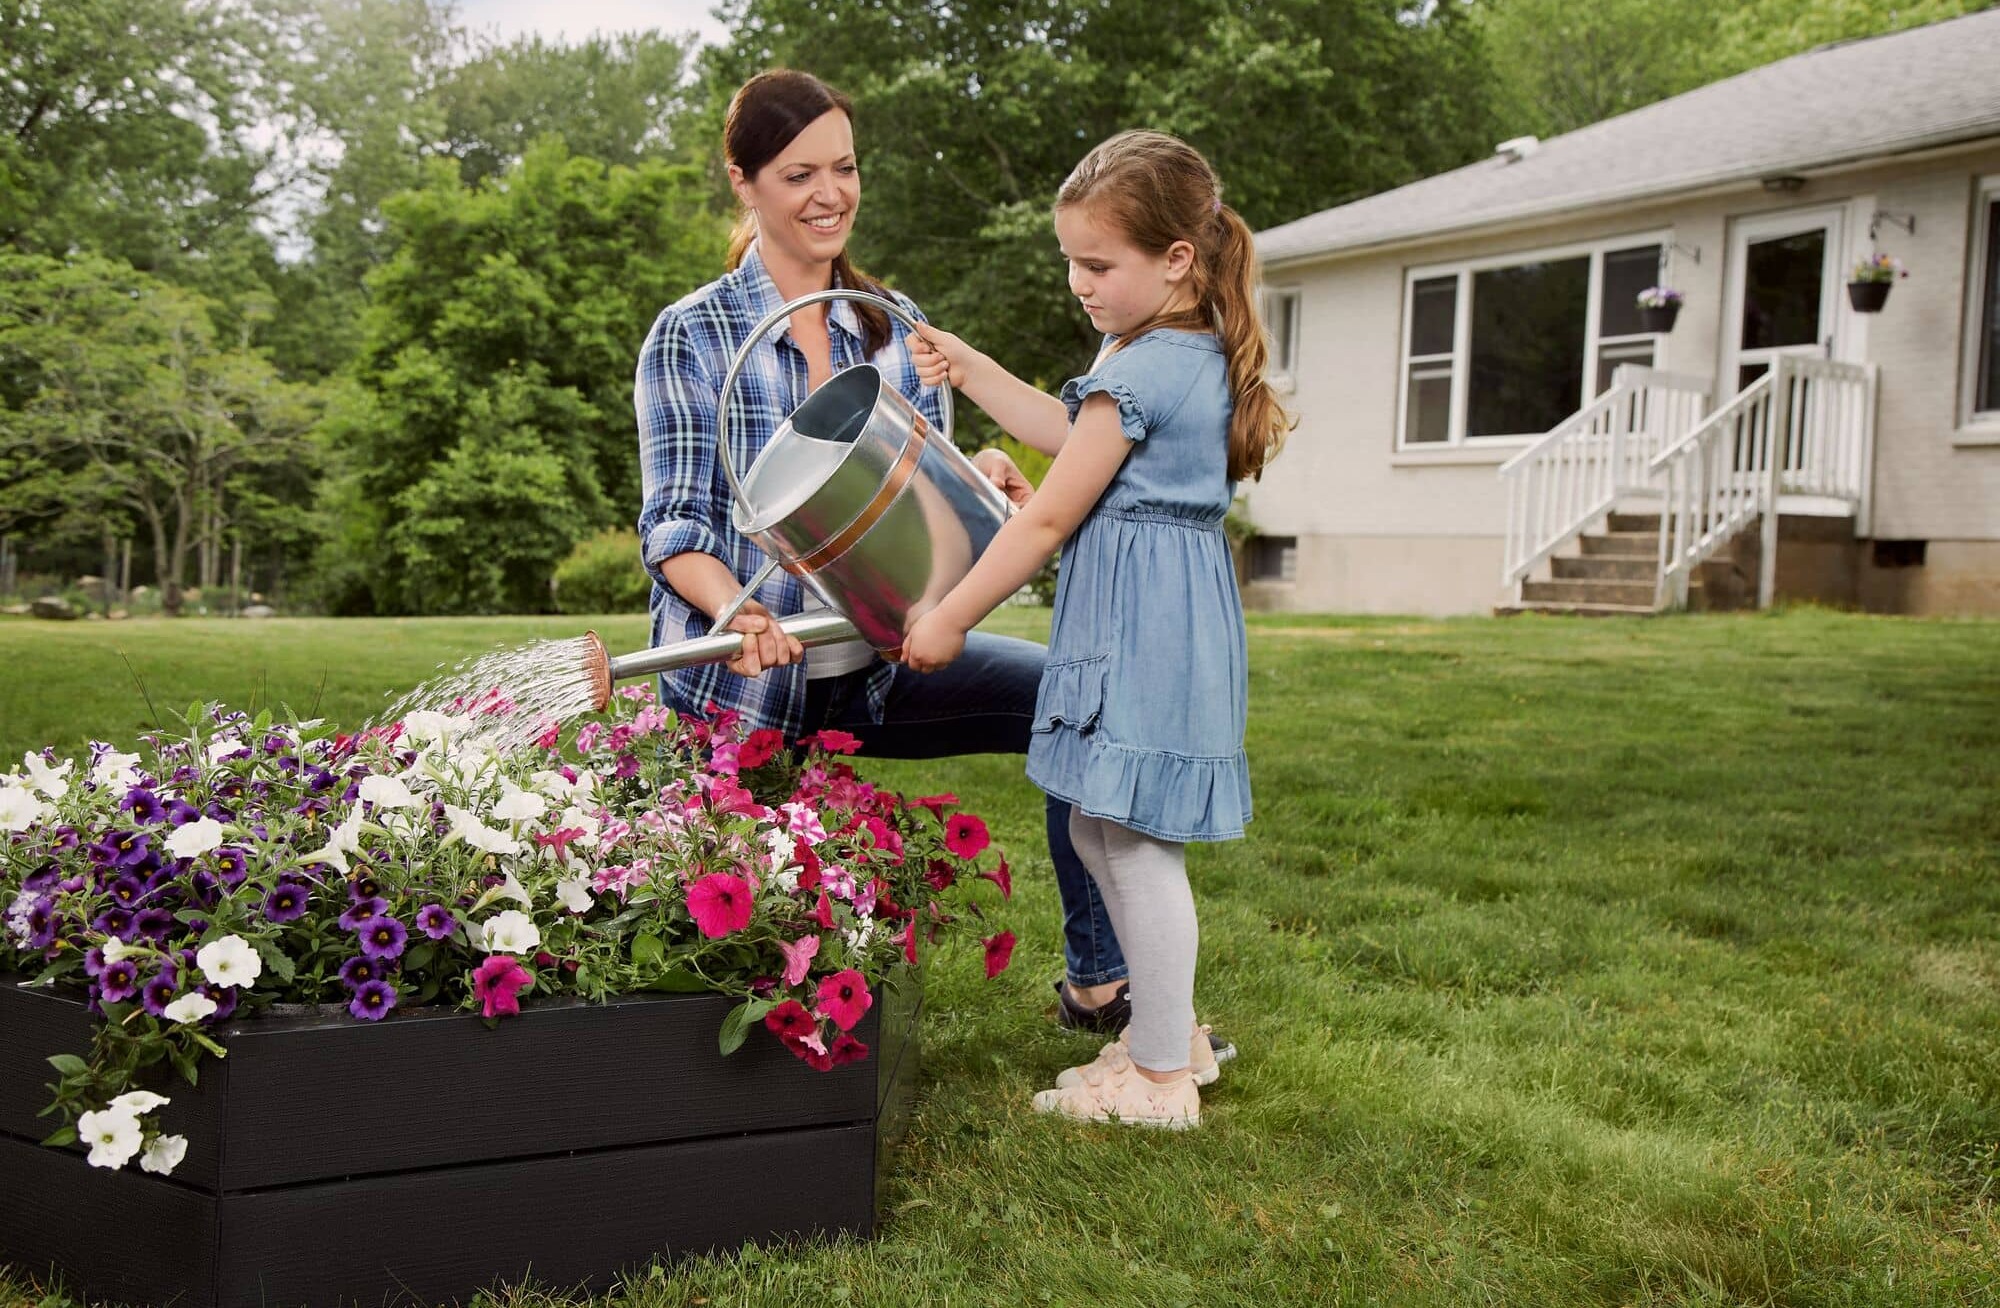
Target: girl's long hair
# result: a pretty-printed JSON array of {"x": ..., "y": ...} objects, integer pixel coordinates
[
  {"x": 765, "y": 115},
  {"x": 1157, "y": 189}
]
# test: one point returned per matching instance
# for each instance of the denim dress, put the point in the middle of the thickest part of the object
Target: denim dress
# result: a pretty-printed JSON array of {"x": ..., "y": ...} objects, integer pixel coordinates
[{"x": 1141, "y": 711}]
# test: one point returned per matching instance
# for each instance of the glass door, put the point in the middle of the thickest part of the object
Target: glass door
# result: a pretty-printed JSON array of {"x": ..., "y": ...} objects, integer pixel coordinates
[{"x": 1783, "y": 283}]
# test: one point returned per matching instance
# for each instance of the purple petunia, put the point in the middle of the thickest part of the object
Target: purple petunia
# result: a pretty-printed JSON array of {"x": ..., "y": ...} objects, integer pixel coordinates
[
  {"x": 118, "y": 981},
  {"x": 436, "y": 921},
  {"x": 363, "y": 911},
  {"x": 157, "y": 993},
  {"x": 154, "y": 923},
  {"x": 131, "y": 849},
  {"x": 127, "y": 891},
  {"x": 144, "y": 806},
  {"x": 372, "y": 1001},
  {"x": 234, "y": 866},
  {"x": 286, "y": 902},
  {"x": 114, "y": 922},
  {"x": 225, "y": 1001},
  {"x": 364, "y": 887},
  {"x": 384, "y": 938},
  {"x": 180, "y": 812},
  {"x": 359, "y": 971}
]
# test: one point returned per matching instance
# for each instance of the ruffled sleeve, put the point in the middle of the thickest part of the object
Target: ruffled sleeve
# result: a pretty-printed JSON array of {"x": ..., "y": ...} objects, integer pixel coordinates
[{"x": 1112, "y": 380}]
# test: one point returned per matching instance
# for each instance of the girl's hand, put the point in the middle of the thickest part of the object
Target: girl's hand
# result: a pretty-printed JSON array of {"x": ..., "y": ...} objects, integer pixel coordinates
[
  {"x": 939, "y": 356},
  {"x": 1005, "y": 474},
  {"x": 933, "y": 642},
  {"x": 765, "y": 643}
]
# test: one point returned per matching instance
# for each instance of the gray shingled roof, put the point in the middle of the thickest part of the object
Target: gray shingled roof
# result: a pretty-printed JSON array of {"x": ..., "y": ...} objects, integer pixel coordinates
[{"x": 1905, "y": 91}]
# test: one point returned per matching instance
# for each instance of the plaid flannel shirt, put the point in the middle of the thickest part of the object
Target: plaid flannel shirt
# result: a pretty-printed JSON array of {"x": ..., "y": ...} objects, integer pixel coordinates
[{"x": 687, "y": 497}]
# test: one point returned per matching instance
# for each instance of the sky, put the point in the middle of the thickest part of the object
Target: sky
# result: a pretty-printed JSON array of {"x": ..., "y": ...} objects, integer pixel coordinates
[{"x": 575, "y": 20}]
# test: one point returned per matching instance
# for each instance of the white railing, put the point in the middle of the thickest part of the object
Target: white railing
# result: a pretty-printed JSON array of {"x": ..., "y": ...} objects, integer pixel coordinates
[
  {"x": 1806, "y": 427},
  {"x": 1563, "y": 482}
]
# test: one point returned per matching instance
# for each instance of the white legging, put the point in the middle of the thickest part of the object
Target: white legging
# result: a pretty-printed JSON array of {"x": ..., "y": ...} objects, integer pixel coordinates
[{"x": 1144, "y": 884}]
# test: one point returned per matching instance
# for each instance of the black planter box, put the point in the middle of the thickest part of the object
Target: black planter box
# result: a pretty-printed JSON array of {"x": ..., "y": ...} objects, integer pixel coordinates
[
  {"x": 1868, "y": 297},
  {"x": 426, "y": 1157}
]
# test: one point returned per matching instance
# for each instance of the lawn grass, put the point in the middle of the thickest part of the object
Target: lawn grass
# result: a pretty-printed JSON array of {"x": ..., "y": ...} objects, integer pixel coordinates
[{"x": 1572, "y": 962}]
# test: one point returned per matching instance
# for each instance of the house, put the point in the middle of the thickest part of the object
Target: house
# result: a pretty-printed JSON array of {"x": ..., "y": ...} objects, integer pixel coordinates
[{"x": 1488, "y": 419}]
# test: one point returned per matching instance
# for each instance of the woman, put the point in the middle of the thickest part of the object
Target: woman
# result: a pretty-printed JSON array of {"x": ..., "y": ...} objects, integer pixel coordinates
[{"x": 789, "y": 142}]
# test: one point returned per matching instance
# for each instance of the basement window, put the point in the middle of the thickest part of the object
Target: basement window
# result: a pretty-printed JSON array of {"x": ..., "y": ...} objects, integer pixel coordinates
[
  {"x": 1274, "y": 558},
  {"x": 1899, "y": 553}
]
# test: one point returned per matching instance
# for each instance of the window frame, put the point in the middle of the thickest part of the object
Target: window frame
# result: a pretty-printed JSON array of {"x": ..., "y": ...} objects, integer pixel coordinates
[
  {"x": 1971, "y": 418},
  {"x": 1283, "y": 372},
  {"x": 1460, "y": 356}
]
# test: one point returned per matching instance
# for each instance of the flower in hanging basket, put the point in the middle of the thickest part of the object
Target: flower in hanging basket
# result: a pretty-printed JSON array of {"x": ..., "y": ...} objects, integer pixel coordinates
[
  {"x": 1659, "y": 297},
  {"x": 1878, "y": 268}
]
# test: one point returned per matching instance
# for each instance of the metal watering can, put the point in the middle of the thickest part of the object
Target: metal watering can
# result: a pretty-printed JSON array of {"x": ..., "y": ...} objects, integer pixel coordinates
[{"x": 875, "y": 513}]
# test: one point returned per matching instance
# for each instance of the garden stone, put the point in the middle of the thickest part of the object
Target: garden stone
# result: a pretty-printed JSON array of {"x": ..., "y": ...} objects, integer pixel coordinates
[
  {"x": 259, "y": 611},
  {"x": 54, "y": 608}
]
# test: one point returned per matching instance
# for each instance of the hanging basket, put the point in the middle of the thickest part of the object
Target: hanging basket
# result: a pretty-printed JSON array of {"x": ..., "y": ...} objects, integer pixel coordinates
[
  {"x": 1868, "y": 297},
  {"x": 1659, "y": 317}
]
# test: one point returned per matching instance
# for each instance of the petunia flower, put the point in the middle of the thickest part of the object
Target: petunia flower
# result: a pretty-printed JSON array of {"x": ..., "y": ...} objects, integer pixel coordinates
[
  {"x": 436, "y": 921},
  {"x": 144, "y": 806},
  {"x": 846, "y": 1049},
  {"x": 844, "y": 998},
  {"x": 163, "y": 1155},
  {"x": 199, "y": 837},
  {"x": 466, "y": 826},
  {"x": 113, "y": 1136},
  {"x": 118, "y": 981},
  {"x": 498, "y": 982},
  {"x": 190, "y": 1008},
  {"x": 510, "y": 932},
  {"x": 384, "y": 938},
  {"x": 999, "y": 952},
  {"x": 798, "y": 957},
  {"x": 20, "y": 810},
  {"x": 386, "y": 793},
  {"x": 759, "y": 748},
  {"x": 53, "y": 782},
  {"x": 574, "y": 893},
  {"x": 1002, "y": 878},
  {"x": 361, "y": 912},
  {"x": 965, "y": 835},
  {"x": 114, "y": 771},
  {"x": 719, "y": 903},
  {"x": 833, "y": 742},
  {"x": 229, "y": 961},
  {"x": 372, "y": 1000},
  {"x": 287, "y": 902},
  {"x": 517, "y": 804}
]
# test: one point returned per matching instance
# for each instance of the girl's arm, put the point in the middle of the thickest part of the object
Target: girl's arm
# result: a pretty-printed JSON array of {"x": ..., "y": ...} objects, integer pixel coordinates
[
  {"x": 1033, "y": 417},
  {"x": 1088, "y": 461}
]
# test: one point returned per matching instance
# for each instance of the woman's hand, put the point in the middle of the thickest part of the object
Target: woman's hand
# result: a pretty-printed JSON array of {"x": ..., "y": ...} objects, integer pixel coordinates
[
  {"x": 997, "y": 468},
  {"x": 765, "y": 643},
  {"x": 939, "y": 356},
  {"x": 933, "y": 642}
]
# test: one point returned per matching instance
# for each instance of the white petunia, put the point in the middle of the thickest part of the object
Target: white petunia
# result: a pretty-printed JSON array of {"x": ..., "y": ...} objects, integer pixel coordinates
[
  {"x": 517, "y": 804},
  {"x": 164, "y": 1154},
  {"x": 229, "y": 961},
  {"x": 343, "y": 840},
  {"x": 113, "y": 1137},
  {"x": 137, "y": 1102},
  {"x": 115, "y": 771},
  {"x": 51, "y": 781},
  {"x": 581, "y": 821},
  {"x": 387, "y": 792},
  {"x": 553, "y": 784},
  {"x": 222, "y": 747},
  {"x": 575, "y": 894},
  {"x": 511, "y": 932},
  {"x": 20, "y": 810},
  {"x": 198, "y": 837},
  {"x": 857, "y": 937},
  {"x": 190, "y": 1008},
  {"x": 115, "y": 949},
  {"x": 466, "y": 826},
  {"x": 426, "y": 725}
]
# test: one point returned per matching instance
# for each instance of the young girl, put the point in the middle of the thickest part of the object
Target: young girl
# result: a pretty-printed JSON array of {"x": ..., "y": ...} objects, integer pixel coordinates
[{"x": 1139, "y": 721}]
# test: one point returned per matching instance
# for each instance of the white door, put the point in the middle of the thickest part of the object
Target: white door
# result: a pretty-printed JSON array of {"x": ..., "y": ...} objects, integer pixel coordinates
[{"x": 1781, "y": 299}]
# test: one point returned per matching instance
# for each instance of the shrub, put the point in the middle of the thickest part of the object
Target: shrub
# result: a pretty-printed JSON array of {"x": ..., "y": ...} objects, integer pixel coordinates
[{"x": 602, "y": 575}]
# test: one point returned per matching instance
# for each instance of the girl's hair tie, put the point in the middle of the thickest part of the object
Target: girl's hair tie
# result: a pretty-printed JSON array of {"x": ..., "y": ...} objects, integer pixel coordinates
[{"x": 1215, "y": 206}]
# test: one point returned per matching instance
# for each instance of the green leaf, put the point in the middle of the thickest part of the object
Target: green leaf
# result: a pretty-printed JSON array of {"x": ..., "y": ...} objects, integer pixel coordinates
[
  {"x": 419, "y": 958},
  {"x": 277, "y": 960},
  {"x": 647, "y": 950},
  {"x": 736, "y": 1026},
  {"x": 679, "y": 981},
  {"x": 69, "y": 1065},
  {"x": 57, "y": 1139}
]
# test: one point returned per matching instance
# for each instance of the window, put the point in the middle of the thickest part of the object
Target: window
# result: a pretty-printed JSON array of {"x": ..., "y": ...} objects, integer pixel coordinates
[
  {"x": 1508, "y": 348},
  {"x": 1274, "y": 558},
  {"x": 1281, "y": 320},
  {"x": 1982, "y": 390}
]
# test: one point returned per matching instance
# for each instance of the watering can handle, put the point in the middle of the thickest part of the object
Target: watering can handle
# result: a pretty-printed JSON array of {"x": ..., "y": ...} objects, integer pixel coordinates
[{"x": 757, "y": 333}]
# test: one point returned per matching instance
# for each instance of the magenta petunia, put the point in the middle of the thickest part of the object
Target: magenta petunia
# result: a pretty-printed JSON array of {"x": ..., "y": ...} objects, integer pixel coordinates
[
  {"x": 844, "y": 998},
  {"x": 498, "y": 983},
  {"x": 719, "y": 903},
  {"x": 798, "y": 957},
  {"x": 790, "y": 1021},
  {"x": 1002, "y": 878},
  {"x": 999, "y": 953},
  {"x": 965, "y": 835}
]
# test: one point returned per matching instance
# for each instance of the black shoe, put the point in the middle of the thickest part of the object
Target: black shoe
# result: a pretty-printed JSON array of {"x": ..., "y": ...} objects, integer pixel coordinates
[{"x": 1108, "y": 1018}]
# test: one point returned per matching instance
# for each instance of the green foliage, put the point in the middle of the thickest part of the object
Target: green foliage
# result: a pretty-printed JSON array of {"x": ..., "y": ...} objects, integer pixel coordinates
[
  {"x": 518, "y": 306},
  {"x": 603, "y": 575}
]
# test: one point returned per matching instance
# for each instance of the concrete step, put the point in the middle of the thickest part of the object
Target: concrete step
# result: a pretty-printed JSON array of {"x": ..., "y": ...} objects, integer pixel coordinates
[
  {"x": 1605, "y": 567},
  {"x": 1635, "y": 593},
  {"x": 1629, "y": 544},
  {"x": 1617, "y": 522}
]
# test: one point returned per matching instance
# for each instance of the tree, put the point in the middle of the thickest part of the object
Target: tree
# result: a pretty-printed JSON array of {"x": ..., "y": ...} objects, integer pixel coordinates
[
  {"x": 121, "y": 400},
  {"x": 500, "y": 340}
]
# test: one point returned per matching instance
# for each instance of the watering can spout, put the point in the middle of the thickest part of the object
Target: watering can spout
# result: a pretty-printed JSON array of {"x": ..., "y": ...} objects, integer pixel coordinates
[{"x": 606, "y": 670}]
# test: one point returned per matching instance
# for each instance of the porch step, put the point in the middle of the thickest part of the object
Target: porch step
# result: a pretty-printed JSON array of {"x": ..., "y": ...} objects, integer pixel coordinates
[
  {"x": 1604, "y": 567},
  {"x": 1640, "y": 522},
  {"x": 1634, "y": 594},
  {"x": 1578, "y": 610},
  {"x": 1624, "y": 544}
]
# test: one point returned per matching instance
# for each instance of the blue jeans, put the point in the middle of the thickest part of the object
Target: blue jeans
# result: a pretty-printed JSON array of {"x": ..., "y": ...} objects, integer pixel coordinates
[{"x": 982, "y": 704}]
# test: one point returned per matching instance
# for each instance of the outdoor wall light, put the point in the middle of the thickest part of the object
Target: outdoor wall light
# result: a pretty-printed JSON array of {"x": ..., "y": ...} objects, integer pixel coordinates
[{"x": 1783, "y": 183}]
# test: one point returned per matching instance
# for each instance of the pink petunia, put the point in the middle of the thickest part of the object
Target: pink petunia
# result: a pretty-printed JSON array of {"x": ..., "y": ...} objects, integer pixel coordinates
[
  {"x": 798, "y": 957},
  {"x": 885, "y": 838},
  {"x": 823, "y": 912},
  {"x": 999, "y": 953},
  {"x": 844, "y": 998},
  {"x": 719, "y": 903},
  {"x": 940, "y": 874},
  {"x": 910, "y": 941},
  {"x": 790, "y": 1022},
  {"x": 846, "y": 1049},
  {"x": 558, "y": 840},
  {"x": 725, "y": 758},
  {"x": 833, "y": 742},
  {"x": 1002, "y": 878},
  {"x": 965, "y": 835},
  {"x": 935, "y": 803},
  {"x": 760, "y": 748},
  {"x": 498, "y": 983}
]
